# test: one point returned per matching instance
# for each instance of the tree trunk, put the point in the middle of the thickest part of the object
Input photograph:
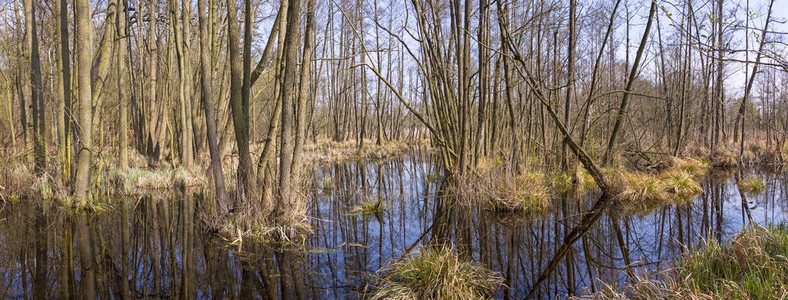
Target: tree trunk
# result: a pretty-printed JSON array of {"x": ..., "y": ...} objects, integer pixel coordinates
[
  {"x": 84, "y": 42},
  {"x": 36, "y": 91},
  {"x": 240, "y": 110},
  {"x": 288, "y": 94},
  {"x": 123, "y": 84},
  {"x": 210, "y": 117},
  {"x": 740, "y": 117},
  {"x": 630, "y": 81},
  {"x": 65, "y": 68},
  {"x": 184, "y": 82},
  {"x": 570, "y": 74},
  {"x": 303, "y": 89}
]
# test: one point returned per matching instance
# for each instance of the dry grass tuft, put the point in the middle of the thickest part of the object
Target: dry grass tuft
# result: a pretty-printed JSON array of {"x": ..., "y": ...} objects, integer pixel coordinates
[
  {"x": 258, "y": 222},
  {"x": 751, "y": 185},
  {"x": 759, "y": 153},
  {"x": 753, "y": 265},
  {"x": 134, "y": 181},
  {"x": 137, "y": 181},
  {"x": 527, "y": 195},
  {"x": 640, "y": 193},
  {"x": 723, "y": 159},
  {"x": 437, "y": 274},
  {"x": 16, "y": 181},
  {"x": 696, "y": 168},
  {"x": 577, "y": 181},
  {"x": 185, "y": 179},
  {"x": 371, "y": 207},
  {"x": 43, "y": 189},
  {"x": 681, "y": 185},
  {"x": 328, "y": 151}
]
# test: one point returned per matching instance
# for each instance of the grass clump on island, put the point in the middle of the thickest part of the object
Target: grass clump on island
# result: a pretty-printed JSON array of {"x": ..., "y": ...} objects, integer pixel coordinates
[
  {"x": 495, "y": 188},
  {"x": 578, "y": 181},
  {"x": 723, "y": 159},
  {"x": 694, "y": 167},
  {"x": 133, "y": 181},
  {"x": 329, "y": 151},
  {"x": 436, "y": 273},
  {"x": 751, "y": 185},
  {"x": 753, "y": 265},
  {"x": 640, "y": 193},
  {"x": 371, "y": 207}
]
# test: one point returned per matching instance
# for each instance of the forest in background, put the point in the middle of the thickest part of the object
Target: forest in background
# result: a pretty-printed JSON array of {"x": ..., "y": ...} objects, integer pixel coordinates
[{"x": 247, "y": 93}]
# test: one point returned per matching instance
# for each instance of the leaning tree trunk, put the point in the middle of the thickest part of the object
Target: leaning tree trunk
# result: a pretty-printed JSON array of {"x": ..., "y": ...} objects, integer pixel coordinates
[
  {"x": 630, "y": 81},
  {"x": 740, "y": 117}
]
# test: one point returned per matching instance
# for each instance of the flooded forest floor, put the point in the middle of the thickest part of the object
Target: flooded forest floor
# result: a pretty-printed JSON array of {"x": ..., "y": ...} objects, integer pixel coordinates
[{"x": 700, "y": 227}]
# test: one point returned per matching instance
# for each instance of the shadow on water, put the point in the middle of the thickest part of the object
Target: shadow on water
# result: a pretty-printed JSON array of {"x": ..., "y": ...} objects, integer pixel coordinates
[{"x": 154, "y": 246}]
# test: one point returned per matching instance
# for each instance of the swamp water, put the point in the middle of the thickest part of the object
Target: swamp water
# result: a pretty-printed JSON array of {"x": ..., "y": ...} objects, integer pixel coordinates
[{"x": 157, "y": 245}]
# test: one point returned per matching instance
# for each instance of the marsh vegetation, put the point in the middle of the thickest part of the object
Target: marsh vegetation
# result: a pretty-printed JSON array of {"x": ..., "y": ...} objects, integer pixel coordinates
[{"x": 380, "y": 149}]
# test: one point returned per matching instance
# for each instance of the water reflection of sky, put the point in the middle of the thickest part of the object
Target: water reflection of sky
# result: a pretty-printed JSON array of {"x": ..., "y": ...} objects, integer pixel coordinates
[
  {"x": 361, "y": 244},
  {"x": 347, "y": 250}
]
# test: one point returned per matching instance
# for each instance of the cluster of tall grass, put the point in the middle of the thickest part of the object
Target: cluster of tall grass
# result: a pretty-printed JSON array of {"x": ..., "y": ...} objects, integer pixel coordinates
[
  {"x": 371, "y": 207},
  {"x": 491, "y": 185},
  {"x": 258, "y": 221},
  {"x": 436, "y": 273},
  {"x": 328, "y": 151},
  {"x": 752, "y": 265},
  {"x": 642, "y": 192},
  {"x": 751, "y": 185},
  {"x": 758, "y": 153},
  {"x": 18, "y": 181},
  {"x": 578, "y": 180},
  {"x": 723, "y": 159},
  {"x": 142, "y": 181}
]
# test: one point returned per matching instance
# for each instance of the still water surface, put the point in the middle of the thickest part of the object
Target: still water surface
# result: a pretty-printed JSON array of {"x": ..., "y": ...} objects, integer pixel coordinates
[{"x": 157, "y": 245}]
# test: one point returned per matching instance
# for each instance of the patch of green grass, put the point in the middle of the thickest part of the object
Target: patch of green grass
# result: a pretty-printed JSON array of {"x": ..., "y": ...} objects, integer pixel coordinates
[
  {"x": 579, "y": 180},
  {"x": 328, "y": 183},
  {"x": 371, "y": 207},
  {"x": 751, "y": 185},
  {"x": 436, "y": 274},
  {"x": 754, "y": 265},
  {"x": 432, "y": 177},
  {"x": 563, "y": 182}
]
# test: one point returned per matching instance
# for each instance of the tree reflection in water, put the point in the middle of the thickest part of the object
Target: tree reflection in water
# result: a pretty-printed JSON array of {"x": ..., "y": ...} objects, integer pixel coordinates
[{"x": 154, "y": 246}]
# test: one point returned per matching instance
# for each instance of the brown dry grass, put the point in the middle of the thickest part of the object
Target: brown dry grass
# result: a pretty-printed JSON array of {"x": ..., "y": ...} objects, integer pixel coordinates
[
  {"x": 328, "y": 151},
  {"x": 640, "y": 193},
  {"x": 723, "y": 159},
  {"x": 753, "y": 265},
  {"x": 436, "y": 273},
  {"x": 493, "y": 187}
]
